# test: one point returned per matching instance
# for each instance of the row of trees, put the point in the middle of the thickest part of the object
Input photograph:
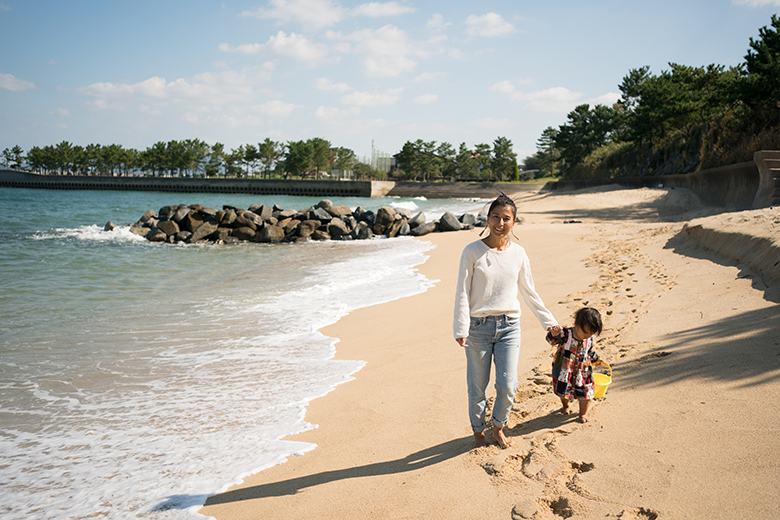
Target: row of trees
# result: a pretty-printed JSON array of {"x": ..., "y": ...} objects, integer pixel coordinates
[
  {"x": 680, "y": 120},
  {"x": 312, "y": 157},
  {"x": 418, "y": 160},
  {"x": 426, "y": 160}
]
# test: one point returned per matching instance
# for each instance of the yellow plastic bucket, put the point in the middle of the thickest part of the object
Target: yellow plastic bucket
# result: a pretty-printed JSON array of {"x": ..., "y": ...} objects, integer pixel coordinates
[{"x": 601, "y": 382}]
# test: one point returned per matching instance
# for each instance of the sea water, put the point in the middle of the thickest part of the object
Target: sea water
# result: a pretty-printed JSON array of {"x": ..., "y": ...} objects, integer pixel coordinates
[{"x": 137, "y": 379}]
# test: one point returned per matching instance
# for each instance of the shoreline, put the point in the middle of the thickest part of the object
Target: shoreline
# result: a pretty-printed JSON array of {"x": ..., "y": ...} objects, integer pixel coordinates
[{"x": 395, "y": 441}]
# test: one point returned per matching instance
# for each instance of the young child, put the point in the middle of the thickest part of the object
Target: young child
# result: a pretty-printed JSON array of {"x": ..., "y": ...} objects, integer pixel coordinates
[{"x": 571, "y": 370}]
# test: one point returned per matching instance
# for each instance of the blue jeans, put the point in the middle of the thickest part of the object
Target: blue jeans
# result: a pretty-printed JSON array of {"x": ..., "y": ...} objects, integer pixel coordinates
[{"x": 492, "y": 339}]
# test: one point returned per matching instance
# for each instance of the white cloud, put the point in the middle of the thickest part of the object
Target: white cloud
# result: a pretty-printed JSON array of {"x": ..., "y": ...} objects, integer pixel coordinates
[
  {"x": 504, "y": 87},
  {"x": 276, "y": 108},
  {"x": 756, "y": 3},
  {"x": 205, "y": 91},
  {"x": 429, "y": 76},
  {"x": 436, "y": 23},
  {"x": 14, "y": 84},
  {"x": 311, "y": 14},
  {"x": 294, "y": 46},
  {"x": 425, "y": 99},
  {"x": 333, "y": 113},
  {"x": 368, "y": 99},
  {"x": 5, "y": 7},
  {"x": 556, "y": 99},
  {"x": 488, "y": 25},
  {"x": 387, "y": 51},
  {"x": 608, "y": 99},
  {"x": 248, "y": 49},
  {"x": 379, "y": 9},
  {"x": 64, "y": 112},
  {"x": 329, "y": 86}
]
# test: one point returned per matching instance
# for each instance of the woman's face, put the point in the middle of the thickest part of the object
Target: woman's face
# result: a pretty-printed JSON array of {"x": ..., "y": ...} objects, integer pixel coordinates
[{"x": 501, "y": 221}]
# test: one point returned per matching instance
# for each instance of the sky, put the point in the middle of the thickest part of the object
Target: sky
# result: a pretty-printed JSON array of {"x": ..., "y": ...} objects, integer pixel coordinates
[{"x": 359, "y": 74}]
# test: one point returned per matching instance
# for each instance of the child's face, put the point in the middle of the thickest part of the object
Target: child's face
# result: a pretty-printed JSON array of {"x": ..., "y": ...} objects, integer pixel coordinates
[{"x": 581, "y": 334}]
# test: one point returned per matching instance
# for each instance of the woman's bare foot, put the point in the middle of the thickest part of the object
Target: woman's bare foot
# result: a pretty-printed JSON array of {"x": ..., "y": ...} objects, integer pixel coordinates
[
  {"x": 501, "y": 439},
  {"x": 479, "y": 440},
  {"x": 583, "y": 418},
  {"x": 565, "y": 410}
]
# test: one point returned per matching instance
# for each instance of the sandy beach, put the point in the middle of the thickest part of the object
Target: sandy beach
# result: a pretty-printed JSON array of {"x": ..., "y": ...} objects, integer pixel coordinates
[{"x": 689, "y": 295}]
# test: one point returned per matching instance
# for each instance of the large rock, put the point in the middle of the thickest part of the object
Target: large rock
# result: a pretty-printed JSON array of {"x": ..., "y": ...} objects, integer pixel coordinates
[
  {"x": 395, "y": 227},
  {"x": 181, "y": 212},
  {"x": 404, "y": 213},
  {"x": 169, "y": 226},
  {"x": 385, "y": 217},
  {"x": 262, "y": 211},
  {"x": 417, "y": 220},
  {"x": 307, "y": 228},
  {"x": 204, "y": 231},
  {"x": 182, "y": 236},
  {"x": 284, "y": 214},
  {"x": 229, "y": 218},
  {"x": 246, "y": 219},
  {"x": 270, "y": 234},
  {"x": 469, "y": 220},
  {"x": 324, "y": 204},
  {"x": 339, "y": 211},
  {"x": 363, "y": 231},
  {"x": 156, "y": 235},
  {"x": 449, "y": 222},
  {"x": 423, "y": 229},
  {"x": 291, "y": 226},
  {"x": 368, "y": 217},
  {"x": 320, "y": 235},
  {"x": 337, "y": 228},
  {"x": 192, "y": 221},
  {"x": 110, "y": 226},
  {"x": 244, "y": 233},
  {"x": 139, "y": 230},
  {"x": 209, "y": 213},
  {"x": 149, "y": 215},
  {"x": 322, "y": 215},
  {"x": 166, "y": 212}
]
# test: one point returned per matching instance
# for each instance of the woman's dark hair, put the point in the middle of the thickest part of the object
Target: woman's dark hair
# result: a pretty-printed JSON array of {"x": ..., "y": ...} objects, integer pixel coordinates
[
  {"x": 503, "y": 200},
  {"x": 589, "y": 320}
]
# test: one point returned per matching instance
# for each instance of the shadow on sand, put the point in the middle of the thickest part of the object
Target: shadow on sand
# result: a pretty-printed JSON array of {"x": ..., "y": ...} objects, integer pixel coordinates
[
  {"x": 415, "y": 461},
  {"x": 743, "y": 348}
]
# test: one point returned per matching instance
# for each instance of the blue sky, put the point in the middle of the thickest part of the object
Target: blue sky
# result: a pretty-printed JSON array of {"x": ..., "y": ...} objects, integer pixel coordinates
[{"x": 137, "y": 72}]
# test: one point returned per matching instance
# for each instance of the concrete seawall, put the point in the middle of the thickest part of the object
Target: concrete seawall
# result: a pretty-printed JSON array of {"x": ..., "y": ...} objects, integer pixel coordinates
[
  {"x": 431, "y": 190},
  {"x": 16, "y": 179},
  {"x": 741, "y": 186}
]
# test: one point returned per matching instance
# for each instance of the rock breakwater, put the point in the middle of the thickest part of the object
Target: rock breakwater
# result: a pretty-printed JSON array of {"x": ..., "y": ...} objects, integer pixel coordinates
[{"x": 196, "y": 224}]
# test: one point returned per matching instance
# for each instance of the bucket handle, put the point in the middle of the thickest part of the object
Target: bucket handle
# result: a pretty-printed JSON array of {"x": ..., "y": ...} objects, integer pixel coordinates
[{"x": 609, "y": 367}]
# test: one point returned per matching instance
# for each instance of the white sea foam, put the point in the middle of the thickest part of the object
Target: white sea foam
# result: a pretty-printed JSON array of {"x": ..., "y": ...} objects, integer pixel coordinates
[{"x": 156, "y": 390}]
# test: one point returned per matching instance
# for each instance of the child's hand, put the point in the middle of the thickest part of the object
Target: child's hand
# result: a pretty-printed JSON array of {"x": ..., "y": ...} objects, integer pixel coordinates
[{"x": 555, "y": 331}]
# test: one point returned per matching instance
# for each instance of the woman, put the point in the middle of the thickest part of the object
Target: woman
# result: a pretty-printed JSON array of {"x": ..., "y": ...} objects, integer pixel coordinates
[{"x": 487, "y": 317}]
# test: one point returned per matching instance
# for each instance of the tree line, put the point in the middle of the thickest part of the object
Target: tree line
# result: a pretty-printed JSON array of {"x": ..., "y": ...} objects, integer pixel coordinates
[
  {"x": 193, "y": 157},
  {"x": 426, "y": 160},
  {"x": 312, "y": 158},
  {"x": 681, "y": 120}
]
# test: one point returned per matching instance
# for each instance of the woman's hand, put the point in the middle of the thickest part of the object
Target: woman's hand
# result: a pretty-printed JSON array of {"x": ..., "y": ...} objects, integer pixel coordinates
[{"x": 461, "y": 342}]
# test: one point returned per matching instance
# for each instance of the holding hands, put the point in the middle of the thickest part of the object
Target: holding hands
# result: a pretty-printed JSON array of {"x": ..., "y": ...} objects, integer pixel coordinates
[{"x": 556, "y": 331}]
